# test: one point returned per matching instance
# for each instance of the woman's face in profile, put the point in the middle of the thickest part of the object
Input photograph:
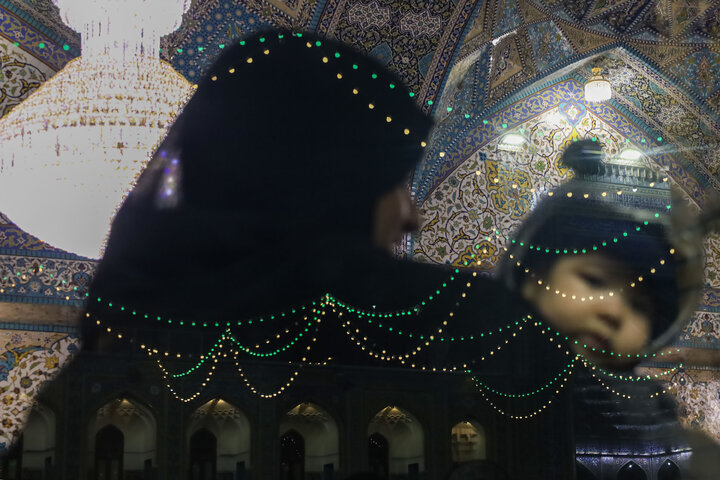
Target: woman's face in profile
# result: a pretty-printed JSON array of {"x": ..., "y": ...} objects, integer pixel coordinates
[{"x": 394, "y": 215}]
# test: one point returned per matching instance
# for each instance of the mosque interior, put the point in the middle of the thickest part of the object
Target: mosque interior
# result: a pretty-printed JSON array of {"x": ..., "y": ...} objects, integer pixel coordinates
[{"x": 504, "y": 81}]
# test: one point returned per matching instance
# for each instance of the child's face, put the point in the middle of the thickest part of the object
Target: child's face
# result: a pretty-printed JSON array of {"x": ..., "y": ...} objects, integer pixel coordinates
[{"x": 619, "y": 322}]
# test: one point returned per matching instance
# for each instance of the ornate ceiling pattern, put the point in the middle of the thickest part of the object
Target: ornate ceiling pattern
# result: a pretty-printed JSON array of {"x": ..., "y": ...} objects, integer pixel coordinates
[
  {"x": 666, "y": 121},
  {"x": 532, "y": 38},
  {"x": 503, "y": 65}
]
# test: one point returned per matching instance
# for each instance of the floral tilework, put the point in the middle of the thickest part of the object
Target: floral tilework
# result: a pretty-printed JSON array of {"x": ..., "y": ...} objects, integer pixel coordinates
[
  {"x": 20, "y": 75},
  {"x": 712, "y": 261},
  {"x": 44, "y": 280},
  {"x": 49, "y": 51},
  {"x": 704, "y": 328},
  {"x": 27, "y": 360},
  {"x": 487, "y": 196},
  {"x": 698, "y": 395}
]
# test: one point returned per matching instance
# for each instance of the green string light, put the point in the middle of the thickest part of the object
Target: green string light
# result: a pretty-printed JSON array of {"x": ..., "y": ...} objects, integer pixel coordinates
[{"x": 547, "y": 385}]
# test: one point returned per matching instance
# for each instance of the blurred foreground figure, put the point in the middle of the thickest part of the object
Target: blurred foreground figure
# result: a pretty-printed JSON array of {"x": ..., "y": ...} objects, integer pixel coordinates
[{"x": 272, "y": 207}]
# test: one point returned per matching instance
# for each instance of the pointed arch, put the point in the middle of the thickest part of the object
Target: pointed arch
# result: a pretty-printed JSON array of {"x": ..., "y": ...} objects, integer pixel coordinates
[
  {"x": 231, "y": 429},
  {"x": 138, "y": 427},
  {"x": 468, "y": 442},
  {"x": 669, "y": 471},
  {"x": 582, "y": 472},
  {"x": 38, "y": 450},
  {"x": 631, "y": 471},
  {"x": 320, "y": 433},
  {"x": 405, "y": 437}
]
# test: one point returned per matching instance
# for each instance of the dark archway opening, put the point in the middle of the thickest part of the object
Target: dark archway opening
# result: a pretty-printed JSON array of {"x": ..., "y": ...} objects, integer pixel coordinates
[
  {"x": 203, "y": 455},
  {"x": 109, "y": 450},
  {"x": 379, "y": 455},
  {"x": 631, "y": 471},
  {"x": 669, "y": 471},
  {"x": 583, "y": 473},
  {"x": 292, "y": 456}
]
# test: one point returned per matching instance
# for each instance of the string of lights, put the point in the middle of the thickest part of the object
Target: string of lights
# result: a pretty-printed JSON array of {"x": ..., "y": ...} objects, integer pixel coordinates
[
  {"x": 554, "y": 333},
  {"x": 403, "y": 312},
  {"x": 533, "y": 413},
  {"x": 590, "y": 298},
  {"x": 632, "y": 378},
  {"x": 540, "y": 389},
  {"x": 277, "y": 350}
]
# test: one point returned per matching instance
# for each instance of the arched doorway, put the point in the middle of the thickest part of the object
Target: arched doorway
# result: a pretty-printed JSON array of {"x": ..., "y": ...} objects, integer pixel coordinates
[
  {"x": 137, "y": 427},
  {"x": 669, "y": 471},
  {"x": 38, "y": 450},
  {"x": 319, "y": 432},
  {"x": 631, "y": 471},
  {"x": 292, "y": 456},
  {"x": 582, "y": 472},
  {"x": 379, "y": 455},
  {"x": 230, "y": 429},
  {"x": 405, "y": 439},
  {"x": 468, "y": 442},
  {"x": 203, "y": 455},
  {"x": 109, "y": 452}
]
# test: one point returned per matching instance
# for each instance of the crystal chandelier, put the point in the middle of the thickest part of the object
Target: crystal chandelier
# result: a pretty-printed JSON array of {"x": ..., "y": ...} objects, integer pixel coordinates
[
  {"x": 597, "y": 88},
  {"x": 74, "y": 148}
]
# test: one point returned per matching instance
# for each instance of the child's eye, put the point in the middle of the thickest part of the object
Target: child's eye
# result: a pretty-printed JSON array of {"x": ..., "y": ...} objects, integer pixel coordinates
[{"x": 594, "y": 280}]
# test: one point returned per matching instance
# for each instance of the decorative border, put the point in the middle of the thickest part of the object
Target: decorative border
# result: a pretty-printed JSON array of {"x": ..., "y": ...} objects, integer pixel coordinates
[
  {"x": 31, "y": 327},
  {"x": 20, "y": 28}
]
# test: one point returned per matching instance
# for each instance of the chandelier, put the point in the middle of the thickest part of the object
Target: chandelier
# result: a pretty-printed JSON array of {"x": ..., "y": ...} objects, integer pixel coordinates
[
  {"x": 597, "y": 88},
  {"x": 73, "y": 150}
]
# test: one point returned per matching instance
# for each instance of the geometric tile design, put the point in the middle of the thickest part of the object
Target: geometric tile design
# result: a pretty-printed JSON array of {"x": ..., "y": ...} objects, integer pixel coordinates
[
  {"x": 699, "y": 71},
  {"x": 549, "y": 45},
  {"x": 507, "y": 17},
  {"x": 422, "y": 38}
]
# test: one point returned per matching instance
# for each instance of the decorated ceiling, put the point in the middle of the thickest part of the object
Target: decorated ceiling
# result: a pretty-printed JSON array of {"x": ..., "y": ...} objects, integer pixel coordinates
[{"x": 483, "y": 69}]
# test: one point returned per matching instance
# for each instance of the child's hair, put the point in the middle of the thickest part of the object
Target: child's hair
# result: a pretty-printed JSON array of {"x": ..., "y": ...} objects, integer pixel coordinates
[{"x": 568, "y": 223}]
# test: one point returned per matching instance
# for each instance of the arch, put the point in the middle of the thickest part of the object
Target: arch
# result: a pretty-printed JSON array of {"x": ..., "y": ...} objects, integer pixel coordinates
[
  {"x": 38, "y": 450},
  {"x": 405, "y": 437},
  {"x": 379, "y": 455},
  {"x": 138, "y": 427},
  {"x": 231, "y": 429},
  {"x": 631, "y": 471},
  {"x": 468, "y": 442},
  {"x": 582, "y": 472},
  {"x": 109, "y": 448},
  {"x": 203, "y": 455},
  {"x": 669, "y": 471},
  {"x": 689, "y": 172},
  {"x": 292, "y": 456},
  {"x": 320, "y": 433}
]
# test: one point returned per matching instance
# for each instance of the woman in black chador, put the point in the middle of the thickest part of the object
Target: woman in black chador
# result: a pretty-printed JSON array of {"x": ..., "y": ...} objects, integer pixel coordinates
[{"x": 279, "y": 194}]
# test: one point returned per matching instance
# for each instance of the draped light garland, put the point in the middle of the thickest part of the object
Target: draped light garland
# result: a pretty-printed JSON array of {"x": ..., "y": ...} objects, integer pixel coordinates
[{"x": 330, "y": 304}]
